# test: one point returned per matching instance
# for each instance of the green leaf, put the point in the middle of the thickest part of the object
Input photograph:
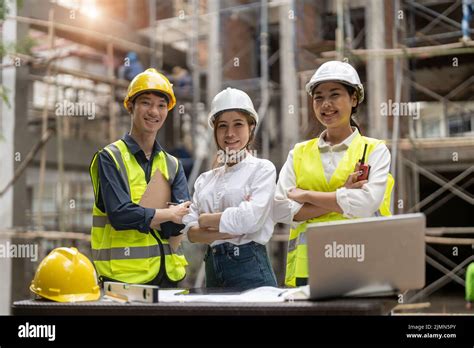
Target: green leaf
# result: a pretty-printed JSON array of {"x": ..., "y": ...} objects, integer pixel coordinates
[
  {"x": 4, "y": 95},
  {"x": 3, "y": 9},
  {"x": 25, "y": 45}
]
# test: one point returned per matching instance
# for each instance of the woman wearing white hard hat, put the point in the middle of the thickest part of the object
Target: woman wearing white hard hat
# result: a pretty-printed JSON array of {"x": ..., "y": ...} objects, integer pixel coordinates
[
  {"x": 328, "y": 178},
  {"x": 232, "y": 204}
]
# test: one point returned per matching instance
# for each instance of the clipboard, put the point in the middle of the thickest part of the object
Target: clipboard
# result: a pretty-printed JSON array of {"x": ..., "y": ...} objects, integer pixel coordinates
[{"x": 157, "y": 193}]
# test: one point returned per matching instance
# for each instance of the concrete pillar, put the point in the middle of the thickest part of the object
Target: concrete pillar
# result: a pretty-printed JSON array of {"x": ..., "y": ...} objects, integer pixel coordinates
[
  {"x": 376, "y": 69},
  {"x": 289, "y": 83},
  {"x": 7, "y": 129},
  {"x": 214, "y": 62},
  {"x": 20, "y": 101}
]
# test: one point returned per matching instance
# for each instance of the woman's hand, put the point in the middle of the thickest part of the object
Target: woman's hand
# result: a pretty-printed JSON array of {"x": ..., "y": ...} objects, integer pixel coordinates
[
  {"x": 297, "y": 195},
  {"x": 209, "y": 220},
  {"x": 326, "y": 201},
  {"x": 197, "y": 234},
  {"x": 352, "y": 183}
]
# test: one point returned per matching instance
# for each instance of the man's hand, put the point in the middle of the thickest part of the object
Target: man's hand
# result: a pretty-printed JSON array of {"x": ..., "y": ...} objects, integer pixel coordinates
[
  {"x": 174, "y": 213},
  {"x": 297, "y": 195},
  {"x": 177, "y": 212}
]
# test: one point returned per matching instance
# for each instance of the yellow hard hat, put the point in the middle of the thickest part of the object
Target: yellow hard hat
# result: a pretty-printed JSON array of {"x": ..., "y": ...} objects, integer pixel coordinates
[
  {"x": 66, "y": 275},
  {"x": 150, "y": 80}
]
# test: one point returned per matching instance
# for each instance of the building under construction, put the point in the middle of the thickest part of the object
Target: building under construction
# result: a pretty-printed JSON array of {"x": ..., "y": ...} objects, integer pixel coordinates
[{"x": 66, "y": 67}]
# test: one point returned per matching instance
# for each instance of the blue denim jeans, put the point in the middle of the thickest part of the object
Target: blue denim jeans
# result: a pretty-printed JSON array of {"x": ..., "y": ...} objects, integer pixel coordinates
[{"x": 241, "y": 267}]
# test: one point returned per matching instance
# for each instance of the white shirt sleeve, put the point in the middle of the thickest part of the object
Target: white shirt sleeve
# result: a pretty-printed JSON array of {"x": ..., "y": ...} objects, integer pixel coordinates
[
  {"x": 250, "y": 216},
  {"x": 191, "y": 219},
  {"x": 366, "y": 201},
  {"x": 284, "y": 209}
]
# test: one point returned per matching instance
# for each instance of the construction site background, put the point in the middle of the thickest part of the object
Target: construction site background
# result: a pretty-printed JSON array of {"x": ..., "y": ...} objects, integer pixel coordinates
[{"x": 67, "y": 63}]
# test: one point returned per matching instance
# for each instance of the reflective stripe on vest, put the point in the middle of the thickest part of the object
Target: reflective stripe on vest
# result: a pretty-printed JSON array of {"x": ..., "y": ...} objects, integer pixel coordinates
[
  {"x": 172, "y": 166},
  {"x": 100, "y": 221},
  {"x": 117, "y": 156},
  {"x": 310, "y": 175},
  {"x": 129, "y": 253},
  {"x": 292, "y": 243}
]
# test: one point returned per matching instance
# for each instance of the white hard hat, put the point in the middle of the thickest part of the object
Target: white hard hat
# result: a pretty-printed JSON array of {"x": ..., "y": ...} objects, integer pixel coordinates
[
  {"x": 231, "y": 99},
  {"x": 338, "y": 72}
]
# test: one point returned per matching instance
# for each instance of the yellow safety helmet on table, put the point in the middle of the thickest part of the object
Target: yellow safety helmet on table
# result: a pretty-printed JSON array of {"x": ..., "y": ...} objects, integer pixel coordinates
[{"x": 66, "y": 275}]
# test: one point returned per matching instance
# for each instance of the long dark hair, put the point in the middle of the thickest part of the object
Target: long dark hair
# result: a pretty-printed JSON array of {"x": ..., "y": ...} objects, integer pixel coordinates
[{"x": 351, "y": 90}]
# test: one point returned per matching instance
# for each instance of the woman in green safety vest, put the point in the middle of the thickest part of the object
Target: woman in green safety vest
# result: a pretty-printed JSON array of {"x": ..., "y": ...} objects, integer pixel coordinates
[{"x": 328, "y": 178}]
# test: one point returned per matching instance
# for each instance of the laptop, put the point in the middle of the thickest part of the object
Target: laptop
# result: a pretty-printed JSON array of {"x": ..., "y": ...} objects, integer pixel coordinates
[{"x": 366, "y": 256}]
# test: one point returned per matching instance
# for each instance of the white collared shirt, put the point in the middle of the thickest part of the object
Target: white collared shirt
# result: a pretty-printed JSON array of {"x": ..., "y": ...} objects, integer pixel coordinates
[
  {"x": 362, "y": 202},
  {"x": 243, "y": 193}
]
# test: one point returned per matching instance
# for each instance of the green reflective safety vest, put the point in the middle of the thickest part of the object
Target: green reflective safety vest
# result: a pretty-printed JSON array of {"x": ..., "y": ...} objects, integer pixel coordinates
[
  {"x": 470, "y": 282},
  {"x": 309, "y": 173},
  {"x": 131, "y": 256}
]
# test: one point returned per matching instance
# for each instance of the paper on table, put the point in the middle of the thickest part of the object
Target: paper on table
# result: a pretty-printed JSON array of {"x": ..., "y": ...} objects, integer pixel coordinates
[
  {"x": 168, "y": 295},
  {"x": 262, "y": 294},
  {"x": 299, "y": 293}
]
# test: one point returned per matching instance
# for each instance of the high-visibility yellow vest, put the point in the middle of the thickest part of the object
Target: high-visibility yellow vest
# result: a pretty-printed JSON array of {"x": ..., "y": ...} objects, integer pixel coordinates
[
  {"x": 309, "y": 173},
  {"x": 131, "y": 256}
]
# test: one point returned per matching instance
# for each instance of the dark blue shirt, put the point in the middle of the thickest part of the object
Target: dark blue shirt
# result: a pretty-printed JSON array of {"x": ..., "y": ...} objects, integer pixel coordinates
[{"x": 114, "y": 199}]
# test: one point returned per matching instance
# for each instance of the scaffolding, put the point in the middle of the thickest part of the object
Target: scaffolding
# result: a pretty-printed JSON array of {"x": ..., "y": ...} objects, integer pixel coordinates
[
  {"x": 410, "y": 43},
  {"x": 195, "y": 24},
  {"x": 390, "y": 59}
]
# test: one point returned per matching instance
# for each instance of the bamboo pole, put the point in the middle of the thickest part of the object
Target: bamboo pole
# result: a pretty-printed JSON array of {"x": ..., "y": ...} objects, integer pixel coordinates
[
  {"x": 29, "y": 157},
  {"x": 449, "y": 240},
  {"x": 111, "y": 76},
  {"x": 49, "y": 235},
  {"x": 118, "y": 42},
  {"x": 44, "y": 125},
  {"x": 411, "y": 52},
  {"x": 60, "y": 165}
]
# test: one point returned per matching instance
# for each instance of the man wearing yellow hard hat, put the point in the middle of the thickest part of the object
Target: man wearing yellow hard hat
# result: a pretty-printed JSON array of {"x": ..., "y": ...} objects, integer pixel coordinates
[{"x": 126, "y": 243}]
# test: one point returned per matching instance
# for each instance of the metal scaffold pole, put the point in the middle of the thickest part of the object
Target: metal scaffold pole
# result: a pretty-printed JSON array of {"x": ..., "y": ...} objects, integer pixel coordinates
[
  {"x": 194, "y": 55},
  {"x": 376, "y": 74},
  {"x": 214, "y": 78},
  {"x": 264, "y": 85},
  {"x": 398, "y": 73},
  {"x": 289, "y": 89},
  {"x": 44, "y": 124}
]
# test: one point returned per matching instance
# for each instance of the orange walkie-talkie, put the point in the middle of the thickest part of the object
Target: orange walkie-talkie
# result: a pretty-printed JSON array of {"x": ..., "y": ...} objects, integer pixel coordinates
[{"x": 363, "y": 167}]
